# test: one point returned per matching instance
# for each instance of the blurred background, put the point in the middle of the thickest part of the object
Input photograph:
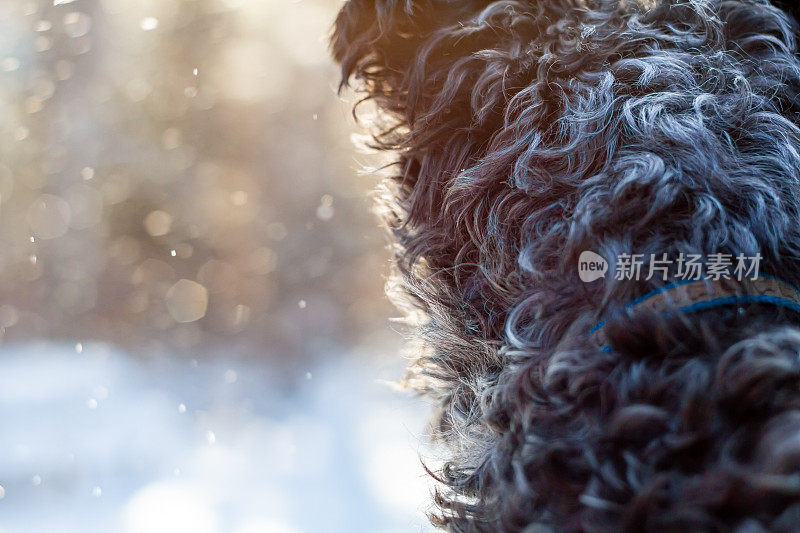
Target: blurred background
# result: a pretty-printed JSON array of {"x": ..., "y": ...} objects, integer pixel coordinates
[{"x": 194, "y": 333}]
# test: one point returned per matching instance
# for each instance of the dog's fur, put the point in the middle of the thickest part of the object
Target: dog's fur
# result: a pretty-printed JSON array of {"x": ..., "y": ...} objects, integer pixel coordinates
[{"x": 527, "y": 131}]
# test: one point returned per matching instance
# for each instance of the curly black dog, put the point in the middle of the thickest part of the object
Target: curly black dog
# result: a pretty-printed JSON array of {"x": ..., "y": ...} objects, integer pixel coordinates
[{"x": 530, "y": 131}]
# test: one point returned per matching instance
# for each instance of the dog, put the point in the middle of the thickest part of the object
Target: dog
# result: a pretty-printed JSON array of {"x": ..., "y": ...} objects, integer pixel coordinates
[{"x": 538, "y": 145}]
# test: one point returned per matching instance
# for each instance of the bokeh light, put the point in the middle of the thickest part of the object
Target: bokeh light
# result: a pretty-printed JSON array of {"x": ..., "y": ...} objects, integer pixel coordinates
[
  {"x": 151, "y": 142},
  {"x": 192, "y": 317}
]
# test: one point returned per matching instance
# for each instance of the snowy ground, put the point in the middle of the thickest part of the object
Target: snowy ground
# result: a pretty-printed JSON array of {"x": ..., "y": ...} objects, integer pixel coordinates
[{"x": 95, "y": 440}]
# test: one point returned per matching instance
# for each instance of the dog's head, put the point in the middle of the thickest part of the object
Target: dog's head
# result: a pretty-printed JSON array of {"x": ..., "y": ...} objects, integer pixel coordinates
[{"x": 528, "y": 132}]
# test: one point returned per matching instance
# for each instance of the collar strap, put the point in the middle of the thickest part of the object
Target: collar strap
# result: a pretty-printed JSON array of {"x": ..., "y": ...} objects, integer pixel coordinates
[{"x": 696, "y": 295}]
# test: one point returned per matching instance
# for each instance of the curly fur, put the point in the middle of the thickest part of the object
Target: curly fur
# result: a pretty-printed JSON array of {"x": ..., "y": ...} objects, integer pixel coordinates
[{"x": 527, "y": 131}]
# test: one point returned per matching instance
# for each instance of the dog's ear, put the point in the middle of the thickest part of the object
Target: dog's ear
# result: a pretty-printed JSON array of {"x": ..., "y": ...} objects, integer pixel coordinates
[
  {"x": 376, "y": 40},
  {"x": 438, "y": 68},
  {"x": 405, "y": 53},
  {"x": 380, "y": 43}
]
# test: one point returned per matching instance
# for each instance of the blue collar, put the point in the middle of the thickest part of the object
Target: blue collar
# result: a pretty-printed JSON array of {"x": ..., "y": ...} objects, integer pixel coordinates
[{"x": 689, "y": 296}]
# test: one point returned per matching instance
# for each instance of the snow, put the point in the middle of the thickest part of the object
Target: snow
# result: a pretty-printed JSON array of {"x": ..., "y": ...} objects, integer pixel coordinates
[{"x": 95, "y": 440}]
